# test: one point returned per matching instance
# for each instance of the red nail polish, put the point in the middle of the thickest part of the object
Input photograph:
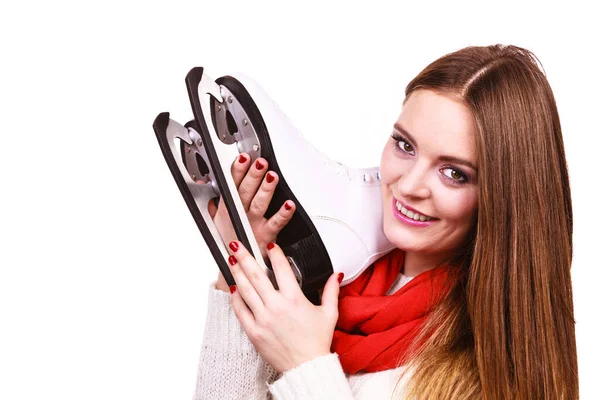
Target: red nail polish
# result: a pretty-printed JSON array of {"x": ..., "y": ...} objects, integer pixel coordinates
[
  {"x": 270, "y": 246},
  {"x": 242, "y": 159},
  {"x": 259, "y": 166},
  {"x": 287, "y": 206},
  {"x": 270, "y": 177},
  {"x": 232, "y": 260},
  {"x": 234, "y": 246},
  {"x": 340, "y": 277},
  {"x": 232, "y": 289}
]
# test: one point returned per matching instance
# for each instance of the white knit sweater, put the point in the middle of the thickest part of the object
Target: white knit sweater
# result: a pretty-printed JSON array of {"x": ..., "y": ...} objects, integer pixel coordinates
[{"x": 231, "y": 368}]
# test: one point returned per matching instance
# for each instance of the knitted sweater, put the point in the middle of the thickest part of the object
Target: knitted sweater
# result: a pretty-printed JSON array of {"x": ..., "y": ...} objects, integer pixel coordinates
[{"x": 231, "y": 368}]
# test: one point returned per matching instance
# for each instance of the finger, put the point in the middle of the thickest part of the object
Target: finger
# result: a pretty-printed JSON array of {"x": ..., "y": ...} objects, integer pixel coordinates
[
  {"x": 331, "y": 293},
  {"x": 251, "y": 182},
  {"x": 212, "y": 207},
  {"x": 241, "y": 310},
  {"x": 245, "y": 288},
  {"x": 280, "y": 219},
  {"x": 253, "y": 272},
  {"x": 262, "y": 198},
  {"x": 286, "y": 280},
  {"x": 239, "y": 167}
]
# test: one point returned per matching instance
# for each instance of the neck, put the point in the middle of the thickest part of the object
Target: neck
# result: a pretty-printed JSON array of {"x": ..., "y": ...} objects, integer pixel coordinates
[{"x": 416, "y": 262}]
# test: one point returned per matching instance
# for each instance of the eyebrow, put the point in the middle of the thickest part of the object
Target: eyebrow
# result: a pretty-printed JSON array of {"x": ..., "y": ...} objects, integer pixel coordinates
[{"x": 442, "y": 158}]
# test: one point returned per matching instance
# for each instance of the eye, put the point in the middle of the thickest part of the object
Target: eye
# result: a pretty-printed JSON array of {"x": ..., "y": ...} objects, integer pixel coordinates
[
  {"x": 403, "y": 145},
  {"x": 455, "y": 175}
]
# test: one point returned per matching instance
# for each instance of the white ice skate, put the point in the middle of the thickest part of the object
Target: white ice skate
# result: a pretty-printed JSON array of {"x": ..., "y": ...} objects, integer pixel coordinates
[{"x": 337, "y": 225}]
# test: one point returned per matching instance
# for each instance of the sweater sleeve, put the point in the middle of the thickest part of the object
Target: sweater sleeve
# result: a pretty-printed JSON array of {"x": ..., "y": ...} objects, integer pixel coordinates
[
  {"x": 321, "y": 378},
  {"x": 229, "y": 367}
]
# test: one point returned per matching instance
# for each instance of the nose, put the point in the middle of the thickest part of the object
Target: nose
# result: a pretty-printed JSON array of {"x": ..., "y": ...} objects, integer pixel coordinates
[{"x": 414, "y": 184}]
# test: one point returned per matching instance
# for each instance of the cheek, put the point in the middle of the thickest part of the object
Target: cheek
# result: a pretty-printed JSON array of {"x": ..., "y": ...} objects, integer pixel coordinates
[
  {"x": 384, "y": 167},
  {"x": 390, "y": 168},
  {"x": 458, "y": 206}
]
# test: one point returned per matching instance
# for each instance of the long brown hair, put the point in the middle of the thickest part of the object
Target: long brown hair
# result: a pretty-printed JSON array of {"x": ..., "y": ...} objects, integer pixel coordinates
[{"x": 506, "y": 330}]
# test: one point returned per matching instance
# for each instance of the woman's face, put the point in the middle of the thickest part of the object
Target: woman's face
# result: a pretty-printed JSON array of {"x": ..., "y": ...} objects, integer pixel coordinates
[{"x": 429, "y": 168}]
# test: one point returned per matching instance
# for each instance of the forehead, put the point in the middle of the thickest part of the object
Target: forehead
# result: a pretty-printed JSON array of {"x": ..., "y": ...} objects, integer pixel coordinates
[{"x": 439, "y": 122}]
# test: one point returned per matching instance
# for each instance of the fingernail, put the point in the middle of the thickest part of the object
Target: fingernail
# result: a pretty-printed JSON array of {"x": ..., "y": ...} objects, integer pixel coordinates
[
  {"x": 232, "y": 289},
  {"x": 234, "y": 246},
  {"x": 287, "y": 206},
  {"x": 259, "y": 166},
  {"x": 232, "y": 260},
  {"x": 340, "y": 277},
  {"x": 270, "y": 177},
  {"x": 270, "y": 245},
  {"x": 242, "y": 159}
]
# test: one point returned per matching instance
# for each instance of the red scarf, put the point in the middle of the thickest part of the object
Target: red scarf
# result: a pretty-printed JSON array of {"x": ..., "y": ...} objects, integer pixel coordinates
[{"x": 373, "y": 330}]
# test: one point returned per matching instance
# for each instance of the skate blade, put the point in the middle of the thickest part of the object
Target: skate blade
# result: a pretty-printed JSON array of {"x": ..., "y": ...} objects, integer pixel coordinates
[
  {"x": 178, "y": 145},
  {"x": 217, "y": 154}
]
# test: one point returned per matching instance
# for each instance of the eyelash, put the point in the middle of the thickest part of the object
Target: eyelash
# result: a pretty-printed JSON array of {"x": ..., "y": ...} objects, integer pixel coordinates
[{"x": 397, "y": 138}]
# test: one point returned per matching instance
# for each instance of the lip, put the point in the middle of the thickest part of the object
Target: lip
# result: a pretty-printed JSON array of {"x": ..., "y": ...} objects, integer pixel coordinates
[{"x": 405, "y": 219}]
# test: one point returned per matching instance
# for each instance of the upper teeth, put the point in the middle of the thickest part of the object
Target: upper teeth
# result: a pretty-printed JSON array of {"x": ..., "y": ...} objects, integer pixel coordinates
[{"x": 412, "y": 214}]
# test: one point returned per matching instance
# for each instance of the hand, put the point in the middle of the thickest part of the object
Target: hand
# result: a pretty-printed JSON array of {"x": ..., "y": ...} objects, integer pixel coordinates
[
  {"x": 284, "y": 326},
  {"x": 256, "y": 194}
]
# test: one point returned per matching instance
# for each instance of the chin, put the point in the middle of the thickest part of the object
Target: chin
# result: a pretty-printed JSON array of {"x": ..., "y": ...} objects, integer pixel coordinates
[{"x": 405, "y": 240}]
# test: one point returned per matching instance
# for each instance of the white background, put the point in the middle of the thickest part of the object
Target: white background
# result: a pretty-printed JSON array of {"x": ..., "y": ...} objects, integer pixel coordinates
[{"x": 103, "y": 271}]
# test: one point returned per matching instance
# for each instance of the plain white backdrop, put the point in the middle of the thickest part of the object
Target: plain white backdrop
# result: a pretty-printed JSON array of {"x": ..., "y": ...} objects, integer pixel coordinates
[{"x": 104, "y": 274}]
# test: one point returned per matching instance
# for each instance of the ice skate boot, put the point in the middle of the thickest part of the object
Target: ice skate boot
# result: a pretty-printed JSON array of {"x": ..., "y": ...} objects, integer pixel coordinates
[{"x": 337, "y": 225}]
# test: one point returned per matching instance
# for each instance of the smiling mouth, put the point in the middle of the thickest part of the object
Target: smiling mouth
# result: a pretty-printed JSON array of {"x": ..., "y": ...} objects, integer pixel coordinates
[{"x": 411, "y": 214}]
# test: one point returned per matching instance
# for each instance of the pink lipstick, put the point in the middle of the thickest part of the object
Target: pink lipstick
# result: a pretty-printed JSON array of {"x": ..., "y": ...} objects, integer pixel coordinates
[{"x": 407, "y": 220}]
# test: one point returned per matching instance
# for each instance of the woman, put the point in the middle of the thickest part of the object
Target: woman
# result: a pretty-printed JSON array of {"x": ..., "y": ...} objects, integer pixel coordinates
[{"x": 476, "y": 301}]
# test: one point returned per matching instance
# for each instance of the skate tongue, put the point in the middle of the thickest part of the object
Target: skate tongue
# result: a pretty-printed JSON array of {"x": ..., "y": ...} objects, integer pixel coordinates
[
  {"x": 341, "y": 169},
  {"x": 338, "y": 167}
]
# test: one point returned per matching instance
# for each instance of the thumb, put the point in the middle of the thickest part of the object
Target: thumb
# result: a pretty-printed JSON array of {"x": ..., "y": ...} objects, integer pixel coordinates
[{"x": 331, "y": 292}]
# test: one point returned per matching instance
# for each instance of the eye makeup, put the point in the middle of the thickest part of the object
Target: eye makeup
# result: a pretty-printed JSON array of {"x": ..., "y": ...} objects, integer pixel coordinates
[
  {"x": 397, "y": 138},
  {"x": 463, "y": 177}
]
